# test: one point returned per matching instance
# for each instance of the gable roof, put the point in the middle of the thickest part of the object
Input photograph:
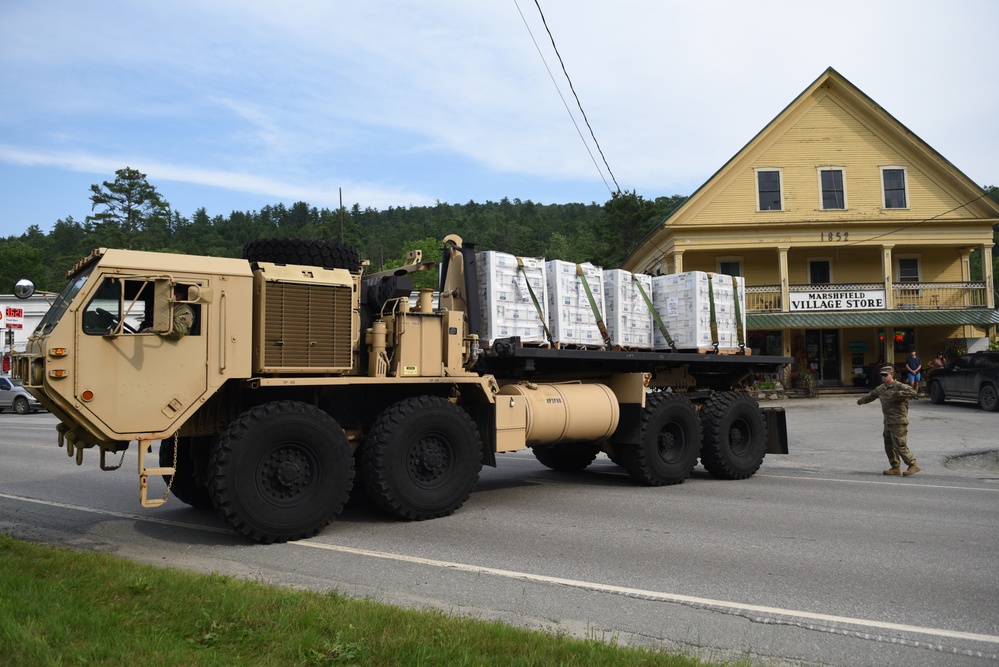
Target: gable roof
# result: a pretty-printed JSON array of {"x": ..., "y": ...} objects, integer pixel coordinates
[{"x": 830, "y": 84}]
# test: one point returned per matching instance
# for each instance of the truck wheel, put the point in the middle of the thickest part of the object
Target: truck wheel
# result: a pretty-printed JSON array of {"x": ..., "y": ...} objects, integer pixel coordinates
[
  {"x": 307, "y": 252},
  {"x": 190, "y": 484},
  {"x": 566, "y": 456},
  {"x": 987, "y": 398},
  {"x": 937, "y": 393},
  {"x": 421, "y": 458},
  {"x": 735, "y": 435},
  {"x": 282, "y": 471},
  {"x": 21, "y": 406},
  {"x": 670, "y": 441}
]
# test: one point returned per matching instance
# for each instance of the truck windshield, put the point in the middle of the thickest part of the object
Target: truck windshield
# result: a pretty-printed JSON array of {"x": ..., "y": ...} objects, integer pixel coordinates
[{"x": 66, "y": 296}]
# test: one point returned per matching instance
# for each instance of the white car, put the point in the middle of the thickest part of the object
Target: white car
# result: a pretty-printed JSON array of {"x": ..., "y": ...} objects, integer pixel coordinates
[{"x": 15, "y": 397}]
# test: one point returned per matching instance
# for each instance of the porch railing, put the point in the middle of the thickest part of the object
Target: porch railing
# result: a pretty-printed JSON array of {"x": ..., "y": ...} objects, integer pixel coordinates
[
  {"x": 907, "y": 296},
  {"x": 939, "y": 296},
  {"x": 763, "y": 299}
]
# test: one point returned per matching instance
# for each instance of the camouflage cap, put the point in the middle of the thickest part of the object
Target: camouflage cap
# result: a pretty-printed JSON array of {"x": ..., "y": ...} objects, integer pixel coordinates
[{"x": 887, "y": 370}]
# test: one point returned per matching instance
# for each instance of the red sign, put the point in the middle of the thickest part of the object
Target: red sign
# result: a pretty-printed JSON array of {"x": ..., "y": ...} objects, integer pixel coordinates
[{"x": 14, "y": 318}]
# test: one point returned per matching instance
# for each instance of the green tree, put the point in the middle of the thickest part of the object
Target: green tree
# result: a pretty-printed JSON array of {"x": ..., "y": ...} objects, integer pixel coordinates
[
  {"x": 433, "y": 251},
  {"x": 131, "y": 213},
  {"x": 629, "y": 218},
  {"x": 19, "y": 259}
]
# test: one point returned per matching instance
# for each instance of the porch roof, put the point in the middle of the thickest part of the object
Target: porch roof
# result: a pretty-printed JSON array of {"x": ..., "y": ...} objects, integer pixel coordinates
[{"x": 895, "y": 318}]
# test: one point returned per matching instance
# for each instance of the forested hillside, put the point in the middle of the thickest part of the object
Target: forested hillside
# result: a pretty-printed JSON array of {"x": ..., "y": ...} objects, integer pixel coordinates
[{"x": 129, "y": 213}]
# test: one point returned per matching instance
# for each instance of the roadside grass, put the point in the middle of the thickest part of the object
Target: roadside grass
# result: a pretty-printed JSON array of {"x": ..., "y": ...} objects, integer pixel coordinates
[{"x": 64, "y": 607}]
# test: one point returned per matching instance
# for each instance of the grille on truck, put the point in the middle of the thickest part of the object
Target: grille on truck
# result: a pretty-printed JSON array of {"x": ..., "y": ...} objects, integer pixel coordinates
[{"x": 307, "y": 327}]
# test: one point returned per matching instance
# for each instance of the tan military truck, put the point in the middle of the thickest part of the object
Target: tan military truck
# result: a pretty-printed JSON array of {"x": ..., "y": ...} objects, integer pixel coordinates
[{"x": 280, "y": 382}]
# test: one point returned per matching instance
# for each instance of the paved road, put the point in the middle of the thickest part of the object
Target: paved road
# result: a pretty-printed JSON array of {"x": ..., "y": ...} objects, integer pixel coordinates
[{"x": 818, "y": 559}]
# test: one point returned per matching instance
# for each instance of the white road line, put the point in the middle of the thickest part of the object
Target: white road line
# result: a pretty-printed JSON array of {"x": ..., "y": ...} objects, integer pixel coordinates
[
  {"x": 652, "y": 595},
  {"x": 119, "y": 515},
  {"x": 912, "y": 485},
  {"x": 559, "y": 581}
]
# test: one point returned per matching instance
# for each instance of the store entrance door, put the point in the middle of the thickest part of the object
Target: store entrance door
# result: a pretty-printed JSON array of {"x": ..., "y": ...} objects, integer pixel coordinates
[{"x": 822, "y": 347}]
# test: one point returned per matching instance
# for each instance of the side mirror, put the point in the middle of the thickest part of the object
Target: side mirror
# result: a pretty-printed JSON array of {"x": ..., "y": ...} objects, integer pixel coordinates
[
  {"x": 162, "y": 316},
  {"x": 24, "y": 288}
]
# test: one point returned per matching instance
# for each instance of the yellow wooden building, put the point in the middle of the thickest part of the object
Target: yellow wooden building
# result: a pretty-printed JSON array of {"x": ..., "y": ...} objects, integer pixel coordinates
[{"x": 853, "y": 235}]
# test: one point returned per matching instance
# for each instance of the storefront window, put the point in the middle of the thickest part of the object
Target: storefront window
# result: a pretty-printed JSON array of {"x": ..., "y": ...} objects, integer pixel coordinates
[
  {"x": 905, "y": 340},
  {"x": 766, "y": 342}
]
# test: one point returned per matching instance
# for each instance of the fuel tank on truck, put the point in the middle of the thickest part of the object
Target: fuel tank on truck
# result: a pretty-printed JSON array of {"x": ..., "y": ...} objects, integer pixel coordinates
[{"x": 568, "y": 412}]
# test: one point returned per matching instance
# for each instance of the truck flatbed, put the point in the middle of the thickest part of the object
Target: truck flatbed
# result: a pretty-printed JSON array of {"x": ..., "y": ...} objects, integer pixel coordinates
[{"x": 507, "y": 357}]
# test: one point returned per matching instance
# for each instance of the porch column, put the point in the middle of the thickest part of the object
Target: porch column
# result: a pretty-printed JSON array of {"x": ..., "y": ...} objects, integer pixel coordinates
[
  {"x": 677, "y": 261},
  {"x": 965, "y": 264},
  {"x": 785, "y": 292},
  {"x": 990, "y": 299},
  {"x": 886, "y": 268},
  {"x": 966, "y": 296}
]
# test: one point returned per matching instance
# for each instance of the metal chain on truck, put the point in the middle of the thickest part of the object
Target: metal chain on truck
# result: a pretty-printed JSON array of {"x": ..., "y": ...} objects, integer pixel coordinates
[{"x": 176, "y": 446}]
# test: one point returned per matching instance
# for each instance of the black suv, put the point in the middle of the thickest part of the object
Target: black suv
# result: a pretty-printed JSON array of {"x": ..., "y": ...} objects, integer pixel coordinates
[{"x": 971, "y": 376}]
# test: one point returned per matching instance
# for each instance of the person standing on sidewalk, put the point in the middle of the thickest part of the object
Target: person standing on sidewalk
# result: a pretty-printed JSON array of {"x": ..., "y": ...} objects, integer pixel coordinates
[
  {"x": 914, "y": 364},
  {"x": 894, "y": 398}
]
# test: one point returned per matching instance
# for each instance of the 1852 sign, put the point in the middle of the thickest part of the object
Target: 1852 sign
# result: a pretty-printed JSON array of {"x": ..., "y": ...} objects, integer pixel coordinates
[{"x": 838, "y": 300}]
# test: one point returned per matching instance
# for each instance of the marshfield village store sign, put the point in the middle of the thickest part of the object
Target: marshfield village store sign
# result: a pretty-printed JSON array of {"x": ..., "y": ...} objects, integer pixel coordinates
[{"x": 852, "y": 300}]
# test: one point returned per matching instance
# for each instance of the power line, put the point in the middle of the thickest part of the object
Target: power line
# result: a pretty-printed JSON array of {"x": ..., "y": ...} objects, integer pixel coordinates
[
  {"x": 564, "y": 103},
  {"x": 916, "y": 224}
]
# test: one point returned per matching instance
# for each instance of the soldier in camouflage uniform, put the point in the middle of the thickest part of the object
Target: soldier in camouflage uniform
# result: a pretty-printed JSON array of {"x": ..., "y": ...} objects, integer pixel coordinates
[
  {"x": 895, "y": 407},
  {"x": 183, "y": 314}
]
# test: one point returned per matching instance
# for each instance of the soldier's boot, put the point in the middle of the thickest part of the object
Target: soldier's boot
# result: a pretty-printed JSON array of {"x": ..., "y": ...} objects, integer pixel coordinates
[
  {"x": 911, "y": 470},
  {"x": 893, "y": 471}
]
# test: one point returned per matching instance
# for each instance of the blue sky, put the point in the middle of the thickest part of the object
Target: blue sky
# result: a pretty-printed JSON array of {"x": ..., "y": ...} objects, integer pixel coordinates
[{"x": 235, "y": 105}]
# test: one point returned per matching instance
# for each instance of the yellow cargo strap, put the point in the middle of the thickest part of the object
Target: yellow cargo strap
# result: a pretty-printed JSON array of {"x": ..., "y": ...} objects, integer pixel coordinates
[
  {"x": 714, "y": 318},
  {"x": 739, "y": 331},
  {"x": 593, "y": 305},
  {"x": 655, "y": 315},
  {"x": 534, "y": 298}
]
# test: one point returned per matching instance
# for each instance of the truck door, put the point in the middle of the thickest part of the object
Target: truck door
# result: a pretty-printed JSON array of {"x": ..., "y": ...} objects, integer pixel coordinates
[
  {"x": 964, "y": 376},
  {"x": 138, "y": 370}
]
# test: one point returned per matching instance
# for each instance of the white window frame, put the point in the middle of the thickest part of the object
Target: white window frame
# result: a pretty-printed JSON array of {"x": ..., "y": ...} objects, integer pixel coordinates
[
  {"x": 846, "y": 201},
  {"x": 905, "y": 176},
  {"x": 808, "y": 269},
  {"x": 756, "y": 187},
  {"x": 910, "y": 292},
  {"x": 898, "y": 268},
  {"x": 733, "y": 260}
]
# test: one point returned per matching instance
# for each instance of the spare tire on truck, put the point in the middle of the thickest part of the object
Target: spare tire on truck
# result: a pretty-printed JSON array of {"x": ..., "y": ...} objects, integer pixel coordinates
[{"x": 306, "y": 252}]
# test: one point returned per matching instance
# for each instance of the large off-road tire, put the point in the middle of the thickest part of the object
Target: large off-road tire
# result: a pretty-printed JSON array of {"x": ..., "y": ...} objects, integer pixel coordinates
[
  {"x": 307, "y": 252},
  {"x": 937, "y": 394},
  {"x": 21, "y": 405},
  {"x": 988, "y": 398},
  {"x": 282, "y": 471},
  {"x": 190, "y": 483},
  {"x": 421, "y": 458},
  {"x": 566, "y": 456},
  {"x": 670, "y": 441},
  {"x": 735, "y": 435}
]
